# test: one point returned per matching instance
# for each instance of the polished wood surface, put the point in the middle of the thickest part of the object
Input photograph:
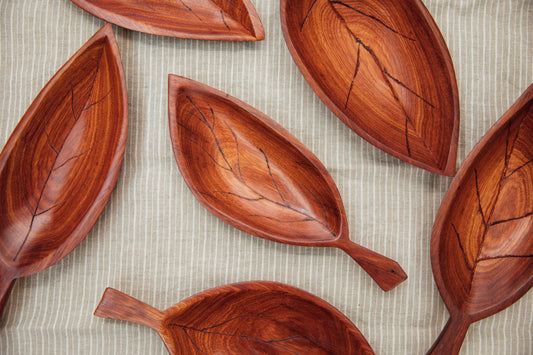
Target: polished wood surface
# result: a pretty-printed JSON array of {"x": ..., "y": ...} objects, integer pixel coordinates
[
  {"x": 256, "y": 317},
  {"x": 383, "y": 68},
  {"x": 222, "y": 20},
  {"x": 253, "y": 174},
  {"x": 482, "y": 244},
  {"x": 59, "y": 166}
]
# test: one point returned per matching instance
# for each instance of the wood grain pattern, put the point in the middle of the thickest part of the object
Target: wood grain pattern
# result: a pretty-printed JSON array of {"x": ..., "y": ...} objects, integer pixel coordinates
[
  {"x": 256, "y": 317},
  {"x": 223, "y": 20},
  {"x": 384, "y": 69},
  {"x": 482, "y": 243},
  {"x": 253, "y": 174},
  {"x": 59, "y": 166}
]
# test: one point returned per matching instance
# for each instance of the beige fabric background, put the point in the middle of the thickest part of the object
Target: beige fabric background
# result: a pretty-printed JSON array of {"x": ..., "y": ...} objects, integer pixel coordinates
[{"x": 155, "y": 242}]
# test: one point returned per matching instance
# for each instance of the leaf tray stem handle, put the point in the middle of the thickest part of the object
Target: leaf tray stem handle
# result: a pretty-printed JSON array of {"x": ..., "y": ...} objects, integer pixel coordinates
[
  {"x": 451, "y": 338},
  {"x": 386, "y": 272},
  {"x": 118, "y": 305}
]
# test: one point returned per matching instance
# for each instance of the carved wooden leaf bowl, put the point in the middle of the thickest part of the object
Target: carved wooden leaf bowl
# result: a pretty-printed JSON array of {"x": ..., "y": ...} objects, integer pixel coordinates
[
  {"x": 59, "y": 166},
  {"x": 256, "y": 317},
  {"x": 383, "y": 68},
  {"x": 222, "y": 20},
  {"x": 253, "y": 174},
  {"x": 482, "y": 243}
]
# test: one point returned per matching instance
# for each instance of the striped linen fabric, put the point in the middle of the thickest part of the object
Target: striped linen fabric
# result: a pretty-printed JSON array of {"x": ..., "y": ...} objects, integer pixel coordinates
[{"x": 155, "y": 242}]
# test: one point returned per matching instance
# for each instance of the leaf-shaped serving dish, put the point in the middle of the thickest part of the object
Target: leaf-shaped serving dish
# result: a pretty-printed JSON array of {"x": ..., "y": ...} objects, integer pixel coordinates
[
  {"x": 383, "y": 68},
  {"x": 223, "y": 20},
  {"x": 482, "y": 243},
  {"x": 59, "y": 166},
  {"x": 253, "y": 174},
  {"x": 256, "y": 317}
]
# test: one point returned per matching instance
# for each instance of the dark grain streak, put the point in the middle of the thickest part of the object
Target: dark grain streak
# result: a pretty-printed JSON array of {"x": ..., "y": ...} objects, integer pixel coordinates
[
  {"x": 192, "y": 341},
  {"x": 307, "y": 15},
  {"x": 511, "y": 219},
  {"x": 310, "y": 219},
  {"x": 354, "y": 75},
  {"x": 72, "y": 158},
  {"x": 49, "y": 142},
  {"x": 520, "y": 167},
  {"x": 461, "y": 246},
  {"x": 191, "y": 10},
  {"x": 252, "y": 347},
  {"x": 274, "y": 342},
  {"x": 272, "y": 177},
  {"x": 505, "y": 256},
  {"x": 98, "y": 101},
  {"x": 224, "y": 20},
  {"x": 321, "y": 205},
  {"x": 407, "y": 88},
  {"x": 208, "y": 154},
  {"x": 234, "y": 194},
  {"x": 237, "y": 150},
  {"x": 373, "y": 18},
  {"x": 480, "y": 208},
  {"x": 212, "y": 132},
  {"x": 144, "y": 4}
]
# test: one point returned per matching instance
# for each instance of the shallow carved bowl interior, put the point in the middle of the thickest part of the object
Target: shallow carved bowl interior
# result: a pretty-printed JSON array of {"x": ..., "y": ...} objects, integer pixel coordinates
[
  {"x": 485, "y": 250},
  {"x": 259, "y": 317},
  {"x": 383, "y": 68},
  {"x": 247, "y": 173},
  {"x": 52, "y": 175}
]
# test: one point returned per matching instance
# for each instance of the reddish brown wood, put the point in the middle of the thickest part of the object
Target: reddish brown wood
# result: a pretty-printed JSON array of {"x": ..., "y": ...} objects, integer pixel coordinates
[
  {"x": 253, "y": 174},
  {"x": 59, "y": 166},
  {"x": 257, "y": 317},
  {"x": 482, "y": 243},
  {"x": 223, "y": 20},
  {"x": 383, "y": 68}
]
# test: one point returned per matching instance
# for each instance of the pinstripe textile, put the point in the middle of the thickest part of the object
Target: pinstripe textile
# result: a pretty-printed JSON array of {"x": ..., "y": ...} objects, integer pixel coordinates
[{"x": 155, "y": 242}]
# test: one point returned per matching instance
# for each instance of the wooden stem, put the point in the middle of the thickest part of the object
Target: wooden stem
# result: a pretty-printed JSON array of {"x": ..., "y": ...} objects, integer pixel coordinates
[
  {"x": 6, "y": 283},
  {"x": 117, "y": 305},
  {"x": 452, "y": 336},
  {"x": 386, "y": 272}
]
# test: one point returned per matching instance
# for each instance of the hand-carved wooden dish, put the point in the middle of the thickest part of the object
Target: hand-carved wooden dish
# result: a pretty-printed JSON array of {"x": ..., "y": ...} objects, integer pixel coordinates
[
  {"x": 223, "y": 20},
  {"x": 253, "y": 174},
  {"x": 383, "y": 68},
  {"x": 482, "y": 244},
  {"x": 256, "y": 317},
  {"x": 62, "y": 161}
]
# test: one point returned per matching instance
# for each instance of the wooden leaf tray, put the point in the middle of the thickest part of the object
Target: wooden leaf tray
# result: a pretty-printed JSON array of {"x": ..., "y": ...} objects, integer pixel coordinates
[
  {"x": 256, "y": 317},
  {"x": 253, "y": 174},
  {"x": 383, "y": 68},
  {"x": 482, "y": 243},
  {"x": 59, "y": 166},
  {"x": 222, "y": 20}
]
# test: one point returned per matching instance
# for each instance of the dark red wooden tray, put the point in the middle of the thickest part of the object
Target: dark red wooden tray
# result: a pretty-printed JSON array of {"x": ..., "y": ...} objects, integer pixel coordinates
[
  {"x": 59, "y": 166},
  {"x": 222, "y": 20},
  {"x": 482, "y": 244},
  {"x": 256, "y": 317}
]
